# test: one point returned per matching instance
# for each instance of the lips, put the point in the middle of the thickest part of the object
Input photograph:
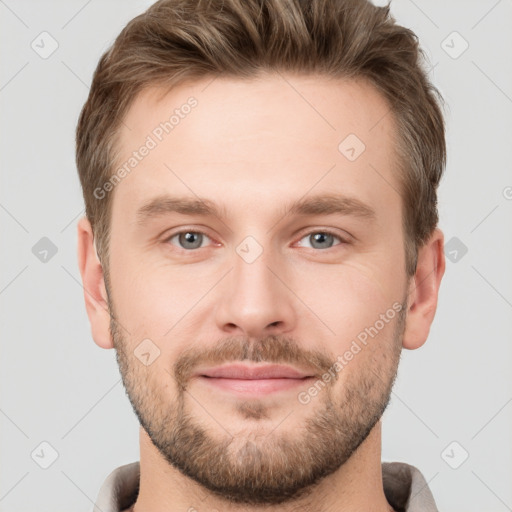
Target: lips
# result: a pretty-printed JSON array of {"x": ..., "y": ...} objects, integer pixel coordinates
[
  {"x": 259, "y": 372},
  {"x": 253, "y": 381}
]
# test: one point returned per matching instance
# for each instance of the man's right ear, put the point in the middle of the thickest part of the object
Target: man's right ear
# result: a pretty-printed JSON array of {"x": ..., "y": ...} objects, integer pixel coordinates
[{"x": 93, "y": 282}]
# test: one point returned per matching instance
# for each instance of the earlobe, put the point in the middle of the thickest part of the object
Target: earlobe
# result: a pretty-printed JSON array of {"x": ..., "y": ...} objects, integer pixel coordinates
[
  {"x": 423, "y": 291},
  {"x": 93, "y": 282}
]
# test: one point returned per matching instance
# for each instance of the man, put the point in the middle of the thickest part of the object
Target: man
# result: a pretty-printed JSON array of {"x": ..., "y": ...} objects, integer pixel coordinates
[{"x": 260, "y": 243}]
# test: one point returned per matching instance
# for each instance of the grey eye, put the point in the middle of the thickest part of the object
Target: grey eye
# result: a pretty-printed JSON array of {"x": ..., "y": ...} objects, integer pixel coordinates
[
  {"x": 320, "y": 240},
  {"x": 189, "y": 239}
]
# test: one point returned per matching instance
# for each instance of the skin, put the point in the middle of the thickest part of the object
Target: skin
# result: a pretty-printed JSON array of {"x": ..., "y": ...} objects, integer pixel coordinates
[{"x": 253, "y": 147}]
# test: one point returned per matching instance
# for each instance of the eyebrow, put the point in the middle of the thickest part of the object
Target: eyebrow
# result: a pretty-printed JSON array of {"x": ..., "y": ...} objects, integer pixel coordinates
[{"x": 325, "y": 204}]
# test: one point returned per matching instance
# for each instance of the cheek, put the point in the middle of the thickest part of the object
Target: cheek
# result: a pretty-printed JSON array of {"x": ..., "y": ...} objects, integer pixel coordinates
[
  {"x": 141, "y": 299},
  {"x": 351, "y": 299},
  {"x": 158, "y": 301}
]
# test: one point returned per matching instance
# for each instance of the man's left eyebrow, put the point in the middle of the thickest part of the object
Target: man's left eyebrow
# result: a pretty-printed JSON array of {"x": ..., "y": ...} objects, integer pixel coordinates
[{"x": 332, "y": 204}]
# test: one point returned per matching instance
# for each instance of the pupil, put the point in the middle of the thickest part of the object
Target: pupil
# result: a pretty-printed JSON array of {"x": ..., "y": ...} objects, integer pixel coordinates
[
  {"x": 192, "y": 240},
  {"x": 320, "y": 237}
]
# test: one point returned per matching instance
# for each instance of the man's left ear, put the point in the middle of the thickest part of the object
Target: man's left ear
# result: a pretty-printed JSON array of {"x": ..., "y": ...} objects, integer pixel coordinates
[{"x": 423, "y": 291}]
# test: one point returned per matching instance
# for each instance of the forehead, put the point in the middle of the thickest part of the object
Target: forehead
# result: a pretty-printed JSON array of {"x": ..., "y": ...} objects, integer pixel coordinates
[{"x": 281, "y": 132}]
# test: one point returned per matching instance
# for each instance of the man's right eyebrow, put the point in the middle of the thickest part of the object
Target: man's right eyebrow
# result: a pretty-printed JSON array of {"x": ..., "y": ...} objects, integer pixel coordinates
[{"x": 165, "y": 204}]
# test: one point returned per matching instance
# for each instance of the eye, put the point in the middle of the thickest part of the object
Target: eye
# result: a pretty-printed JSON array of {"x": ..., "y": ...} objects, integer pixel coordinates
[
  {"x": 189, "y": 239},
  {"x": 322, "y": 239}
]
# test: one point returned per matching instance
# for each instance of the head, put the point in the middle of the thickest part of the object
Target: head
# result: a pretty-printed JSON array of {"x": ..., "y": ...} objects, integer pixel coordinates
[{"x": 260, "y": 185}]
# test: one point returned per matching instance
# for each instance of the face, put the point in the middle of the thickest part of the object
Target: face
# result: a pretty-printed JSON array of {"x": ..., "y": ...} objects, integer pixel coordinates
[{"x": 253, "y": 232}]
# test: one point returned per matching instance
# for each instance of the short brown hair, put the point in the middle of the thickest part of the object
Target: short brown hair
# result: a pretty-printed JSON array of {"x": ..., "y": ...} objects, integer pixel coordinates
[{"x": 181, "y": 40}]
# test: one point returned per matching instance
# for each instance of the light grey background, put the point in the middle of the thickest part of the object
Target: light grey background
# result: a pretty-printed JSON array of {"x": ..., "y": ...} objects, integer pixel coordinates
[{"x": 58, "y": 387}]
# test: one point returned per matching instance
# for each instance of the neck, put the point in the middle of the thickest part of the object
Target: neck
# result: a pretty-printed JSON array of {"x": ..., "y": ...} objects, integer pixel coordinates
[{"x": 355, "y": 486}]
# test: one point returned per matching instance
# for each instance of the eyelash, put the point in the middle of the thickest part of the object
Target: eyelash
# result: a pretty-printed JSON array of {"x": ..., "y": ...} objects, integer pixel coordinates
[{"x": 343, "y": 241}]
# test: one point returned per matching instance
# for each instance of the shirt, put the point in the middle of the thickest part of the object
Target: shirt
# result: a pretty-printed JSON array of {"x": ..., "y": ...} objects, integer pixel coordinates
[{"x": 405, "y": 489}]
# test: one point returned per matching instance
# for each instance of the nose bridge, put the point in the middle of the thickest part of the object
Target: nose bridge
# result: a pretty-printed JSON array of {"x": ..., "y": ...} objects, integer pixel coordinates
[
  {"x": 254, "y": 300},
  {"x": 251, "y": 269}
]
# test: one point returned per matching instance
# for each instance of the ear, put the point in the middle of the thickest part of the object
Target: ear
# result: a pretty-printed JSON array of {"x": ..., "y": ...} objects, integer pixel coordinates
[
  {"x": 423, "y": 291},
  {"x": 95, "y": 293}
]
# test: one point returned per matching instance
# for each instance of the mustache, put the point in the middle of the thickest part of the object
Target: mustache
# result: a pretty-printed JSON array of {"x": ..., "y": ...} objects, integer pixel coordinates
[{"x": 271, "y": 349}]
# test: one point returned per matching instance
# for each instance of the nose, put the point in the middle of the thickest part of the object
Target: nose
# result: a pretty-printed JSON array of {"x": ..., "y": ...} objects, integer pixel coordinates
[{"x": 256, "y": 298}]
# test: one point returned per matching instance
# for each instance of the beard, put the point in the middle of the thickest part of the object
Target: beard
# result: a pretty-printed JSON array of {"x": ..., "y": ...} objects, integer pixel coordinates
[{"x": 261, "y": 467}]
